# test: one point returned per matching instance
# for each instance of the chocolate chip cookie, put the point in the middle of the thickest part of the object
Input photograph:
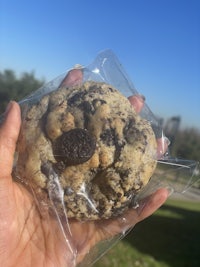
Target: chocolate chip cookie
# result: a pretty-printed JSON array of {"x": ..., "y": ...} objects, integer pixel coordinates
[{"x": 86, "y": 146}]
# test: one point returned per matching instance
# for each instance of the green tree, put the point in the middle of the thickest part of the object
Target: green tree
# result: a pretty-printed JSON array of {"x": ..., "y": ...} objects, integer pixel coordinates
[
  {"x": 16, "y": 88},
  {"x": 187, "y": 144}
]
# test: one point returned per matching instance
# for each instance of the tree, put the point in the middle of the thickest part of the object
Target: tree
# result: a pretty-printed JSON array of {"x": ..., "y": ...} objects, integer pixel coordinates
[
  {"x": 187, "y": 144},
  {"x": 14, "y": 88}
]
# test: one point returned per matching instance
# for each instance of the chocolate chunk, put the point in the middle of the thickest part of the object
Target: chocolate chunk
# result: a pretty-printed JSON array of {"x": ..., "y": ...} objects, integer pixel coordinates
[
  {"x": 47, "y": 169},
  {"x": 86, "y": 106},
  {"x": 131, "y": 132},
  {"x": 76, "y": 97},
  {"x": 74, "y": 147},
  {"x": 108, "y": 137}
]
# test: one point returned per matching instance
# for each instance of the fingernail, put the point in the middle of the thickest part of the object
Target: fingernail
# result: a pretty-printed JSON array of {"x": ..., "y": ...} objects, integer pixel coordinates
[
  {"x": 167, "y": 141},
  {"x": 170, "y": 190},
  {"x": 78, "y": 66}
]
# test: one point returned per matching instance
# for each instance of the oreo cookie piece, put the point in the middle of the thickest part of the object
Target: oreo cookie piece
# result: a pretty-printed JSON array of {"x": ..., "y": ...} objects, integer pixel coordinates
[
  {"x": 74, "y": 147},
  {"x": 90, "y": 140}
]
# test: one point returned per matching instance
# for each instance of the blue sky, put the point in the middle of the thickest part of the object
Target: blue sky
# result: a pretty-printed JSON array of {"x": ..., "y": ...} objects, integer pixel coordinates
[{"x": 157, "y": 42}]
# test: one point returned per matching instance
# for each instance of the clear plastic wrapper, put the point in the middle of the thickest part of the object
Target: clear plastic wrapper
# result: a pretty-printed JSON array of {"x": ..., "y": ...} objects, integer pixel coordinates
[{"x": 76, "y": 153}]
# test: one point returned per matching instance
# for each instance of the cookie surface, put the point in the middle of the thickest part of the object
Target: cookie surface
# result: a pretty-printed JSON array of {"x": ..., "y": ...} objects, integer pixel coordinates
[{"x": 90, "y": 141}]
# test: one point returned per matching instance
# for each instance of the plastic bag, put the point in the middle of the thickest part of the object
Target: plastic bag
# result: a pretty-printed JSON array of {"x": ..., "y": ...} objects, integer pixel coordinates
[{"x": 61, "y": 181}]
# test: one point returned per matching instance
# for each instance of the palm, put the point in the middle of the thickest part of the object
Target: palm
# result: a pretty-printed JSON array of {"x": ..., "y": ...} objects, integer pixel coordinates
[
  {"x": 29, "y": 239},
  {"x": 26, "y": 238}
]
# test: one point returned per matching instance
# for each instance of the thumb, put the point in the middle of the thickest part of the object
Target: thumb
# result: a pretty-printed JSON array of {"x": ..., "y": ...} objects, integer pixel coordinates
[{"x": 9, "y": 132}]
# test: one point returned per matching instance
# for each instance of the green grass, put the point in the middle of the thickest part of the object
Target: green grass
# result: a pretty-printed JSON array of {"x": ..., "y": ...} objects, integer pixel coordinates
[{"x": 169, "y": 238}]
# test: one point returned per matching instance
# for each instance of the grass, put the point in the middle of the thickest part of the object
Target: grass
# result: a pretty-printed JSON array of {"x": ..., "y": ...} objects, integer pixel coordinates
[{"x": 169, "y": 238}]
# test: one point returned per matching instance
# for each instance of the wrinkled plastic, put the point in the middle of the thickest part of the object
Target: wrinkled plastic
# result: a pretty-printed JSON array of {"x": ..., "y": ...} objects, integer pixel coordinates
[{"x": 177, "y": 174}]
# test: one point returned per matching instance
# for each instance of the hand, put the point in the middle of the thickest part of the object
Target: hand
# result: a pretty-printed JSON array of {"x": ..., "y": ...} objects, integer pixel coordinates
[{"x": 26, "y": 238}]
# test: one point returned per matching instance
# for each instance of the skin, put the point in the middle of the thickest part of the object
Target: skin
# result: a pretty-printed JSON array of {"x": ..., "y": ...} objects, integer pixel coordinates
[
  {"x": 137, "y": 101},
  {"x": 28, "y": 239}
]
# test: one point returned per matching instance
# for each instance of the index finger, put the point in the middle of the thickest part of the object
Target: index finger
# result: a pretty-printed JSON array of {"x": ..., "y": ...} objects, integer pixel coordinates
[{"x": 73, "y": 77}]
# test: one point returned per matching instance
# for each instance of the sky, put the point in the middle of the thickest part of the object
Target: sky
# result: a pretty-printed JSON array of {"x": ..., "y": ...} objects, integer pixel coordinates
[{"x": 157, "y": 42}]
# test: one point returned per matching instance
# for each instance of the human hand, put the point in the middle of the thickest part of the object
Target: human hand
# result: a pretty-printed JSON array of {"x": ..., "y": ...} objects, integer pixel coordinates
[
  {"x": 29, "y": 239},
  {"x": 26, "y": 239}
]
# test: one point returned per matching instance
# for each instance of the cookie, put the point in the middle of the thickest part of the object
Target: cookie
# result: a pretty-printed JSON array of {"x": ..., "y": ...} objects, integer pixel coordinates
[{"x": 86, "y": 146}]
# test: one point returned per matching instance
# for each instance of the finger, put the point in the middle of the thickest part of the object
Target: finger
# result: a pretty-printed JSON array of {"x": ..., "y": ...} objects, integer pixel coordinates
[
  {"x": 9, "y": 132},
  {"x": 146, "y": 208},
  {"x": 106, "y": 229},
  {"x": 73, "y": 77},
  {"x": 149, "y": 205},
  {"x": 137, "y": 101},
  {"x": 162, "y": 146}
]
